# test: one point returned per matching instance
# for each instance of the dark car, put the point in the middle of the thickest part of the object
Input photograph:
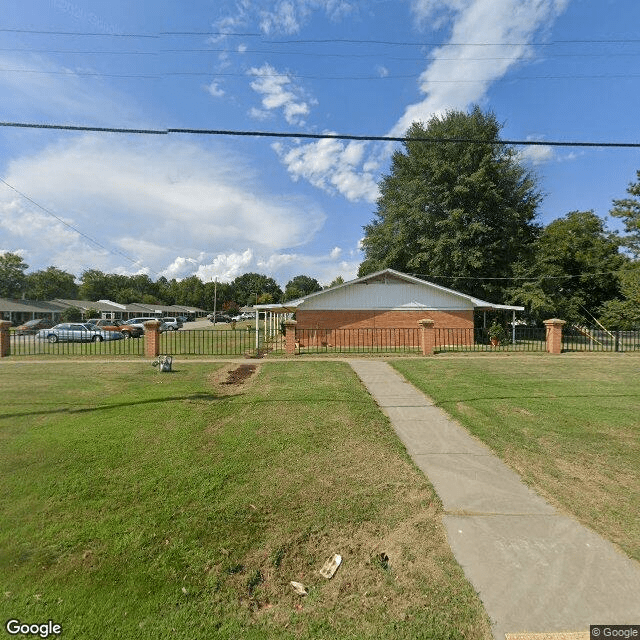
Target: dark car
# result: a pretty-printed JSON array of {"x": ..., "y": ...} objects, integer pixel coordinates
[
  {"x": 219, "y": 317},
  {"x": 33, "y": 326}
]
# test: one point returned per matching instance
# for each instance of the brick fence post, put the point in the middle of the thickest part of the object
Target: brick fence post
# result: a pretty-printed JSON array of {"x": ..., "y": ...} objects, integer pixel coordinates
[
  {"x": 427, "y": 336},
  {"x": 554, "y": 335},
  {"x": 290, "y": 337},
  {"x": 5, "y": 339},
  {"x": 152, "y": 338}
]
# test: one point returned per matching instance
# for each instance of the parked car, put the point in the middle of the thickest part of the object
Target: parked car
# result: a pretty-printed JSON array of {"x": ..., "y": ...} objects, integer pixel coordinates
[
  {"x": 244, "y": 316},
  {"x": 173, "y": 323},
  {"x": 127, "y": 331},
  {"x": 33, "y": 326},
  {"x": 139, "y": 323},
  {"x": 77, "y": 332},
  {"x": 219, "y": 317}
]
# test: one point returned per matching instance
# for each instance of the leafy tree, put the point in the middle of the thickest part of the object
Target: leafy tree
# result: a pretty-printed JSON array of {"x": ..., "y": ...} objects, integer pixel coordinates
[
  {"x": 71, "y": 314},
  {"x": 335, "y": 282},
  {"x": 574, "y": 271},
  {"x": 624, "y": 314},
  {"x": 629, "y": 210},
  {"x": 454, "y": 209},
  {"x": 191, "y": 292},
  {"x": 51, "y": 283},
  {"x": 12, "y": 277},
  {"x": 95, "y": 285},
  {"x": 300, "y": 286},
  {"x": 245, "y": 287}
]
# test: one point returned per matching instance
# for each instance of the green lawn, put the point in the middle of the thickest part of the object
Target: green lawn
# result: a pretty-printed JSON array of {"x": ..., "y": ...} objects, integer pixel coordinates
[
  {"x": 569, "y": 425},
  {"x": 143, "y": 505}
]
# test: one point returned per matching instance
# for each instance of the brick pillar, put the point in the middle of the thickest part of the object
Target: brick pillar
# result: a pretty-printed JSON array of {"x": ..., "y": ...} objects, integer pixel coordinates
[
  {"x": 427, "y": 336},
  {"x": 554, "y": 335},
  {"x": 5, "y": 339},
  {"x": 290, "y": 337},
  {"x": 152, "y": 338}
]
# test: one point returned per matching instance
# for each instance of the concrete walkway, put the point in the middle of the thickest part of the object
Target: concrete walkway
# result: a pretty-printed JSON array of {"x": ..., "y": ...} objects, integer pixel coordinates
[{"x": 536, "y": 570}]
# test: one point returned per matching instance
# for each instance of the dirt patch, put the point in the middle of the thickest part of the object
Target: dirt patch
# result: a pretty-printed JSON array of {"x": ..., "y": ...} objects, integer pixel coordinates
[
  {"x": 239, "y": 375},
  {"x": 231, "y": 378}
]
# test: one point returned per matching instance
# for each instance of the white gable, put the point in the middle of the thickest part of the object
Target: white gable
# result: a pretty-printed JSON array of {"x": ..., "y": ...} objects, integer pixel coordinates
[{"x": 387, "y": 292}]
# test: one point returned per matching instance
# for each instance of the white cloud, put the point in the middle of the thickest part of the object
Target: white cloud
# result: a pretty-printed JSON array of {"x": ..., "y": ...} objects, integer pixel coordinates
[
  {"x": 179, "y": 197},
  {"x": 225, "y": 267},
  {"x": 289, "y": 16},
  {"x": 462, "y": 72},
  {"x": 279, "y": 92},
  {"x": 336, "y": 252},
  {"x": 331, "y": 165},
  {"x": 215, "y": 90}
]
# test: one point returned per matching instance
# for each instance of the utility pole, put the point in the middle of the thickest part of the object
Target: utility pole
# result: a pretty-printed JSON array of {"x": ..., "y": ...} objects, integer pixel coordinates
[{"x": 215, "y": 299}]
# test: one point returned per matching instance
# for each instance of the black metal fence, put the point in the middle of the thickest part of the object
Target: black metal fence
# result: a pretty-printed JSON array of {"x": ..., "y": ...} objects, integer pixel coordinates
[
  {"x": 524, "y": 339},
  {"x": 211, "y": 342},
  {"x": 585, "y": 339},
  {"x": 31, "y": 345},
  {"x": 358, "y": 340},
  {"x": 238, "y": 342}
]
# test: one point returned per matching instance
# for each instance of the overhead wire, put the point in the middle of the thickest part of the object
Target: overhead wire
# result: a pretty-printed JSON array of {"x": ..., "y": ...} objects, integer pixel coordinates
[
  {"x": 76, "y": 230},
  {"x": 314, "y": 136}
]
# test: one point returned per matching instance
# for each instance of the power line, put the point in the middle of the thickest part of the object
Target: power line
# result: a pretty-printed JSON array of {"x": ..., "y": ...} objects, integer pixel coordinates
[
  {"x": 317, "y": 136},
  {"x": 74, "y": 229},
  {"x": 161, "y": 34},
  {"x": 294, "y": 76}
]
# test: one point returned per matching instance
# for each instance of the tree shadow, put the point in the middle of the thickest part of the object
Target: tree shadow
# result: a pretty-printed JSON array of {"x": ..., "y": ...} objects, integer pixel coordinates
[{"x": 207, "y": 397}]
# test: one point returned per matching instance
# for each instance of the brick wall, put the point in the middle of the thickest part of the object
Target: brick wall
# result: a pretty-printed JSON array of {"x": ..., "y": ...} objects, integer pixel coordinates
[
  {"x": 392, "y": 328},
  {"x": 382, "y": 319}
]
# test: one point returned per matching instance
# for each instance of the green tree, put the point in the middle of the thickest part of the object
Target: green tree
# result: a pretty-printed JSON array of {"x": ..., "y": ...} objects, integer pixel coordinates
[
  {"x": 629, "y": 210},
  {"x": 51, "y": 283},
  {"x": 454, "y": 209},
  {"x": 95, "y": 285},
  {"x": 245, "y": 287},
  {"x": 575, "y": 270},
  {"x": 335, "y": 282},
  {"x": 12, "y": 277},
  {"x": 71, "y": 314},
  {"x": 624, "y": 314},
  {"x": 300, "y": 286}
]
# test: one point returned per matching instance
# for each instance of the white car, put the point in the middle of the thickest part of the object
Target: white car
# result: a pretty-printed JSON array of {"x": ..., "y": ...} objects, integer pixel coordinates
[
  {"x": 77, "y": 332},
  {"x": 139, "y": 322},
  {"x": 173, "y": 323}
]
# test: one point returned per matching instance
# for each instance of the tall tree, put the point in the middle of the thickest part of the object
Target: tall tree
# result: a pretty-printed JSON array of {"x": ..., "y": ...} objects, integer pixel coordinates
[
  {"x": 301, "y": 286},
  {"x": 51, "y": 283},
  {"x": 624, "y": 314},
  {"x": 629, "y": 210},
  {"x": 12, "y": 277},
  {"x": 575, "y": 271},
  {"x": 245, "y": 287},
  {"x": 463, "y": 210}
]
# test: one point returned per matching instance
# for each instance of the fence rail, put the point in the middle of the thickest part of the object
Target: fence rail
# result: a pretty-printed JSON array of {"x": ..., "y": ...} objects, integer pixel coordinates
[
  {"x": 212, "y": 342},
  {"x": 525, "y": 339},
  {"x": 585, "y": 339},
  {"x": 357, "y": 340},
  {"x": 29, "y": 345},
  {"x": 230, "y": 342}
]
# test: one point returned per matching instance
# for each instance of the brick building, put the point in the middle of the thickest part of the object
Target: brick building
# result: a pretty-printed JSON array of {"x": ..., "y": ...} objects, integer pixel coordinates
[{"x": 384, "y": 300}]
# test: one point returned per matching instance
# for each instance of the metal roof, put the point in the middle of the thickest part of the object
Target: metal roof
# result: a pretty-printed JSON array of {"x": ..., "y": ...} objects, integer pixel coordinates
[{"x": 385, "y": 276}]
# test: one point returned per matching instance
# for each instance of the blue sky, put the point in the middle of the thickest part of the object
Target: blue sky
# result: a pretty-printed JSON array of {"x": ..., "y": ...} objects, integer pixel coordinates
[{"x": 180, "y": 205}]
